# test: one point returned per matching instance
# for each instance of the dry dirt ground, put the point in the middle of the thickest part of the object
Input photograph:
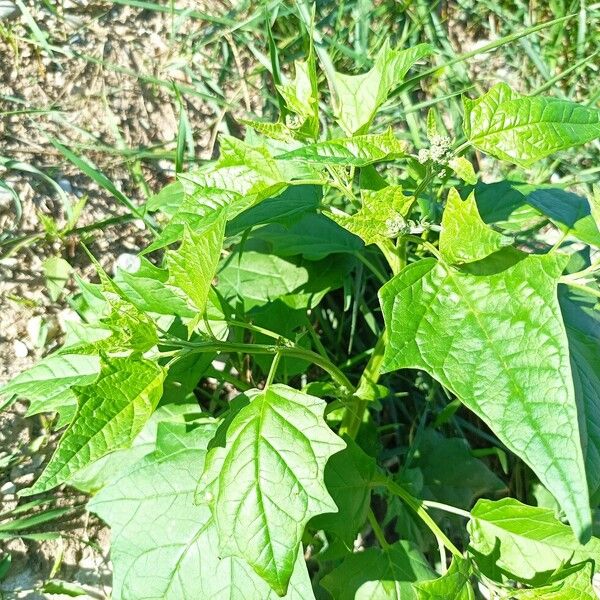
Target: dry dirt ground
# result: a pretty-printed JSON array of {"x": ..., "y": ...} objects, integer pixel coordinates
[{"x": 88, "y": 78}]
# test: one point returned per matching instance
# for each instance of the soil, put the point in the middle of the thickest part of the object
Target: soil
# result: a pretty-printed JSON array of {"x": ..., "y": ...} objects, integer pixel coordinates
[{"x": 84, "y": 91}]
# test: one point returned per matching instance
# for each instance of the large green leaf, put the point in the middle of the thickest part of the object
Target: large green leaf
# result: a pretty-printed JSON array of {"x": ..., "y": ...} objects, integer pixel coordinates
[
  {"x": 523, "y": 542},
  {"x": 379, "y": 574},
  {"x": 255, "y": 278},
  {"x": 111, "y": 412},
  {"x": 359, "y": 151},
  {"x": 52, "y": 377},
  {"x": 244, "y": 169},
  {"x": 582, "y": 321},
  {"x": 285, "y": 209},
  {"x": 492, "y": 333},
  {"x": 356, "y": 98},
  {"x": 313, "y": 236},
  {"x": 381, "y": 216},
  {"x": 193, "y": 265},
  {"x": 525, "y": 129},
  {"x": 454, "y": 585},
  {"x": 348, "y": 477},
  {"x": 264, "y": 478},
  {"x": 465, "y": 237},
  {"x": 504, "y": 206},
  {"x": 163, "y": 544}
]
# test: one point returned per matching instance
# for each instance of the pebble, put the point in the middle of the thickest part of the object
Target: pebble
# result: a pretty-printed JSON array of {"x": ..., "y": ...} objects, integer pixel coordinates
[
  {"x": 128, "y": 262},
  {"x": 65, "y": 185},
  {"x": 20, "y": 349},
  {"x": 8, "y": 488},
  {"x": 8, "y": 9}
]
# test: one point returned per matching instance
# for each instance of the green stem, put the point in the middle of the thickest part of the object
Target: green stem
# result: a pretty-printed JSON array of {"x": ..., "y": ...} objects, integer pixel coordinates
[
  {"x": 355, "y": 411},
  {"x": 273, "y": 370},
  {"x": 420, "y": 510},
  {"x": 377, "y": 530},
  {"x": 292, "y": 351}
]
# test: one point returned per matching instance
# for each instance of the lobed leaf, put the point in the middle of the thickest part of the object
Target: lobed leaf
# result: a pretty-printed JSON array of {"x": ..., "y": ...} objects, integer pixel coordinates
[
  {"x": 465, "y": 237},
  {"x": 264, "y": 478},
  {"x": 164, "y": 545},
  {"x": 356, "y": 98},
  {"x": 526, "y": 543},
  {"x": 110, "y": 414},
  {"x": 493, "y": 334}
]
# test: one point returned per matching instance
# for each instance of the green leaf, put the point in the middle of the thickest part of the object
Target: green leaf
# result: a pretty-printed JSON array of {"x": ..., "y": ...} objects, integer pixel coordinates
[
  {"x": 569, "y": 212},
  {"x": 146, "y": 289},
  {"x": 164, "y": 545},
  {"x": 468, "y": 479},
  {"x": 526, "y": 543},
  {"x": 348, "y": 477},
  {"x": 454, "y": 585},
  {"x": 167, "y": 200},
  {"x": 379, "y": 574},
  {"x": 246, "y": 170},
  {"x": 503, "y": 205},
  {"x": 111, "y": 412},
  {"x": 255, "y": 278},
  {"x": 313, "y": 236},
  {"x": 264, "y": 479},
  {"x": 301, "y": 96},
  {"x": 525, "y": 129},
  {"x": 356, "y": 98},
  {"x": 132, "y": 331},
  {"x": 465, "y": 237},
  {"x": 577, "y": 585},
  {"x": 52, "y": 377},
  {"x": 193, "y": 265},
  {"x": 285, "y": 209},
  {"x": 57, "y": 272},
  {"x": 198, "y": 211},
  {"x": 381, "y": 216},
  {"x": 493, "y": 334},
  {"x": 358, "y": 151},
  {"x": 99, "y": 473},
  {"x": 464, "y": 169},
  {"x": 582, "y": 322}
]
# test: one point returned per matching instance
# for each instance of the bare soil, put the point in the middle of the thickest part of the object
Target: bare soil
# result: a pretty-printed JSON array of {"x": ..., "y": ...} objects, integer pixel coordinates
[{"x": 95, "y": 89}]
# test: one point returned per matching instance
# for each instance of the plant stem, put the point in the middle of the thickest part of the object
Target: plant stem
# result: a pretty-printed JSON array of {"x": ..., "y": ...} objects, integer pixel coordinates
[
  {"x": 377, "y": 530},
  {"x": 419, "y": 508},
  {"x": 354, "y": 413},
  {"x": 273, "y": 370},
  {"x": 293, "y": 351}
]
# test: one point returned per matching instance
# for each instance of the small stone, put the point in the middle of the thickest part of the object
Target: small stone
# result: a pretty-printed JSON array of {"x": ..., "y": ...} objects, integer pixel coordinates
[
  {"x": 129, "y": 263},
  {"x": 8, "y": 488},
  {"x": 8, "y": 9},
  {"x": 65, "y": 185},
  {"x": 20, "y": 349}
]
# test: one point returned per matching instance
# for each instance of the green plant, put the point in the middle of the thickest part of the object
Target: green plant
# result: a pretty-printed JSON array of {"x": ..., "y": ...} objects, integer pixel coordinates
[{"x": 357, "y": 294}]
